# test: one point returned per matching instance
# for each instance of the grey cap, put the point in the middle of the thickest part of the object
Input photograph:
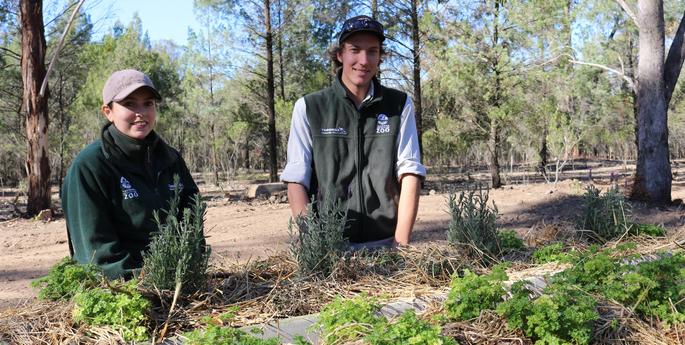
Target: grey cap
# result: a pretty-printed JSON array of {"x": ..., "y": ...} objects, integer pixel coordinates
[{"x": 122, "y": 83}]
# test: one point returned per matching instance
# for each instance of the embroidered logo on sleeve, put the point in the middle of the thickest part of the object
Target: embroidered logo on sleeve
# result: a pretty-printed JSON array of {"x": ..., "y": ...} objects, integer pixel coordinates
[
  {"x": 127, "y": 189},
  {"x": 334, "y": 131},
  {"x": 382, "y": 124}
]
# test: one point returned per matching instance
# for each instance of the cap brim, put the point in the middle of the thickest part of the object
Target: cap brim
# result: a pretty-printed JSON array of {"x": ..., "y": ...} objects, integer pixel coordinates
[
  {"x": 373, "y": 32},
  {"x": 129, "y": 90}
]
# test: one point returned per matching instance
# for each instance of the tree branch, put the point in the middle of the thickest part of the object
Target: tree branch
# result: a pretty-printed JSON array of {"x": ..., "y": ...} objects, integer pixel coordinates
[
  {"x": 11, "y": 53},
  {"x": 628, "y": 80},
  {"x": 674, "y": 61},
  {"x": 629, "y": 11},
  {"x": 59, "y": 46}
]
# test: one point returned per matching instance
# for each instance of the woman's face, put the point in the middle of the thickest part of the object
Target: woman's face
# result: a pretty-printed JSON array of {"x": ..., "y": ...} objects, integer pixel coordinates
[{"x": 134, "y": 115}]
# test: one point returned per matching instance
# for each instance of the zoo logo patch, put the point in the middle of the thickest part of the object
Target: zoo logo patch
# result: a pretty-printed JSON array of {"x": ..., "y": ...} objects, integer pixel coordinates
[
  {"x": 382, "y": 124},
  {"x": 127, "y": 189}
]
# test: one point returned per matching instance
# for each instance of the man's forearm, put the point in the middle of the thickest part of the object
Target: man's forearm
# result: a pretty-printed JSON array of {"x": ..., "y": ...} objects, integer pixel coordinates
[
  {"x": 298, "y": 199},
  {"x": 407, "y": 208}
]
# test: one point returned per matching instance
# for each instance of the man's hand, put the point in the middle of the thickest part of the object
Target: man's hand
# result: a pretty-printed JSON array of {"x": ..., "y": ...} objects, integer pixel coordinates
[{"x": 410, "y": 186}]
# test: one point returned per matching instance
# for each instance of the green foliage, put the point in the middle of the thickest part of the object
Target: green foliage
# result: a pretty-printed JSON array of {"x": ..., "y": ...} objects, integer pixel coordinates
[
  {"x": 345, "y": 320},
  {"x": 472, "y": 293},
  {"x": 549, "y": 253},
  {"x": 648, "y": 230},
  {"x": 661, "y": 289},
  {"x": 473, "y": 221},
  {"x": 648, "y": 285},
  {"x": 408, "y": 329},
  {"x": 178, "y": 252},
  {"x": 65, "y": 279},
  {"x": 317, "y": 239},
  {"x": 607, "y": 215},
  {"x": 217, "y": 335},
  {"x": 300, "y": 340},
  {"x": 517, "y": 307},
  {"x": 509, "y": 240},
  {"x": 563, "y": 314},
  {"x": 121, "y": 307}
]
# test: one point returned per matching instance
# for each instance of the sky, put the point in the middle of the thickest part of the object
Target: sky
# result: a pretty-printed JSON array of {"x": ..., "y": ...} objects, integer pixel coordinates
[{"x": 161, "y": 19}]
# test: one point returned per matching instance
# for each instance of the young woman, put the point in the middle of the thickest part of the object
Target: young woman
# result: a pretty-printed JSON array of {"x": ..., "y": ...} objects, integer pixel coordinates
[{"x": 115, "y": 183}]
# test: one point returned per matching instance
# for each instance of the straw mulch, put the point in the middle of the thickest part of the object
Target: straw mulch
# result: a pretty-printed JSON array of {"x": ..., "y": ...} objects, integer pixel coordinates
[
  {"x": 262, "y": 291},
  {"x": 271, "y": 289}
]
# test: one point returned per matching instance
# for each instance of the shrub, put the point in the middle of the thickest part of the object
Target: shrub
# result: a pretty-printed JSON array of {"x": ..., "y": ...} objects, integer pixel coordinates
[
  {"x": 178, "y": 253},
  {"x": 343, "y": 321},
  {"x": 653, "y": 287},
  {"x": 648, "y": 230},
  {"x": 317, "y": 238},
  {"x": 473, "y": 221},
  {"x": 549, "y": 253},
  {"x": 346, "y": 320},
  {"x": 123, "y": 308},
  {"x": 214, "y": 334},
  {"x": 648, "y": 286},
  {"x": 509, "y": 240},
  {"x": 472, "y": 293},
  {"x": 408, "y": 329},
  {"x": 608, "y": 215},
  {"x": 563, "y": 314},
  {"x": 517, "y": 307},
  {"x": 65, "y": 279}
]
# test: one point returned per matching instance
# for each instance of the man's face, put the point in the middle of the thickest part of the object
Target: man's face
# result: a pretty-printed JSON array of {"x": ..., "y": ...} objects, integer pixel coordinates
[
  {"x": 360, "y": 57},
  {"x": 134, "y": 115}
]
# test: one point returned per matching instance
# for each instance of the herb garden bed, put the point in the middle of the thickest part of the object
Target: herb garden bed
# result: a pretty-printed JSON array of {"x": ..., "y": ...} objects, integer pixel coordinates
[{"x": 614, "y": 282}]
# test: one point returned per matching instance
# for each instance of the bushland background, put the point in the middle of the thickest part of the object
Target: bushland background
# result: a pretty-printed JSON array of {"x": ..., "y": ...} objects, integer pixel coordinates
[{"x": 512, "y": 93}]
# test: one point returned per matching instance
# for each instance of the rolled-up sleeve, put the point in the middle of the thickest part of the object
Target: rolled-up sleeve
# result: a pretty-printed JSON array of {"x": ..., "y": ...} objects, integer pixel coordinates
[
  {"x": 298, "y": 168},
  {"x": 408, "y": 153}
]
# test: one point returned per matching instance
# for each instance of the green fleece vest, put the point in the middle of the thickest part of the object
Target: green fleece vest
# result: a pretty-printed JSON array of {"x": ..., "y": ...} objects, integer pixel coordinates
[{"x": 354, "y": 156}]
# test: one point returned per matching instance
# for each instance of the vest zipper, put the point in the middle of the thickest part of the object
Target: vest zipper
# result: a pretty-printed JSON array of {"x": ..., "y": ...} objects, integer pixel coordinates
[
  {"x": 360, "y": 148},
  {"x": 149, "y": 171}
]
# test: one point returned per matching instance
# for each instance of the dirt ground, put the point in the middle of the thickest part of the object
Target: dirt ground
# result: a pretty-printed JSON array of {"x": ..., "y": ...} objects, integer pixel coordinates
[{"x": 244, "y": 230}]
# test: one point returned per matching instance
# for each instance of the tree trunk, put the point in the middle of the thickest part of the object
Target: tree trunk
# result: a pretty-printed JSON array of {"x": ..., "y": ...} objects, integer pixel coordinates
[
  {"x": 653, "y": 174},
  {"x": 542, "y": 165},
  {"x": 416, "y": 50},
  {"x": 273, "y": 154},
  {"x": 246, "y": 155},
  {"x": 280, "y": 51},
  {"x": 493, "y": 151},
  {"x": 35, "y": 107}
]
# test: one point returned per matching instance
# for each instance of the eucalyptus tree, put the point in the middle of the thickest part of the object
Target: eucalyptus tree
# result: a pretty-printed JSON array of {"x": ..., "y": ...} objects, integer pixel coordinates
[
  {"x": 651, "y": 80},
  {"x": 206, "y": 68},
  {"x": 656, "y": 80},
  {"x": 255, "y": 17},
  {"x": 66, "y": 81},
  {"x": 12, "y": 121},
  {"x": 403, "y": 20},
  {"x": 474, "y": 54},
  {"x": 35, "y": 105},
  {"x": 123, "y": 47}
]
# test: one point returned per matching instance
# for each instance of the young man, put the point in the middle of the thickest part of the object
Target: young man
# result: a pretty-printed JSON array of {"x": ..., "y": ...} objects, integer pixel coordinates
[{"x": 356, "y": 141}]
